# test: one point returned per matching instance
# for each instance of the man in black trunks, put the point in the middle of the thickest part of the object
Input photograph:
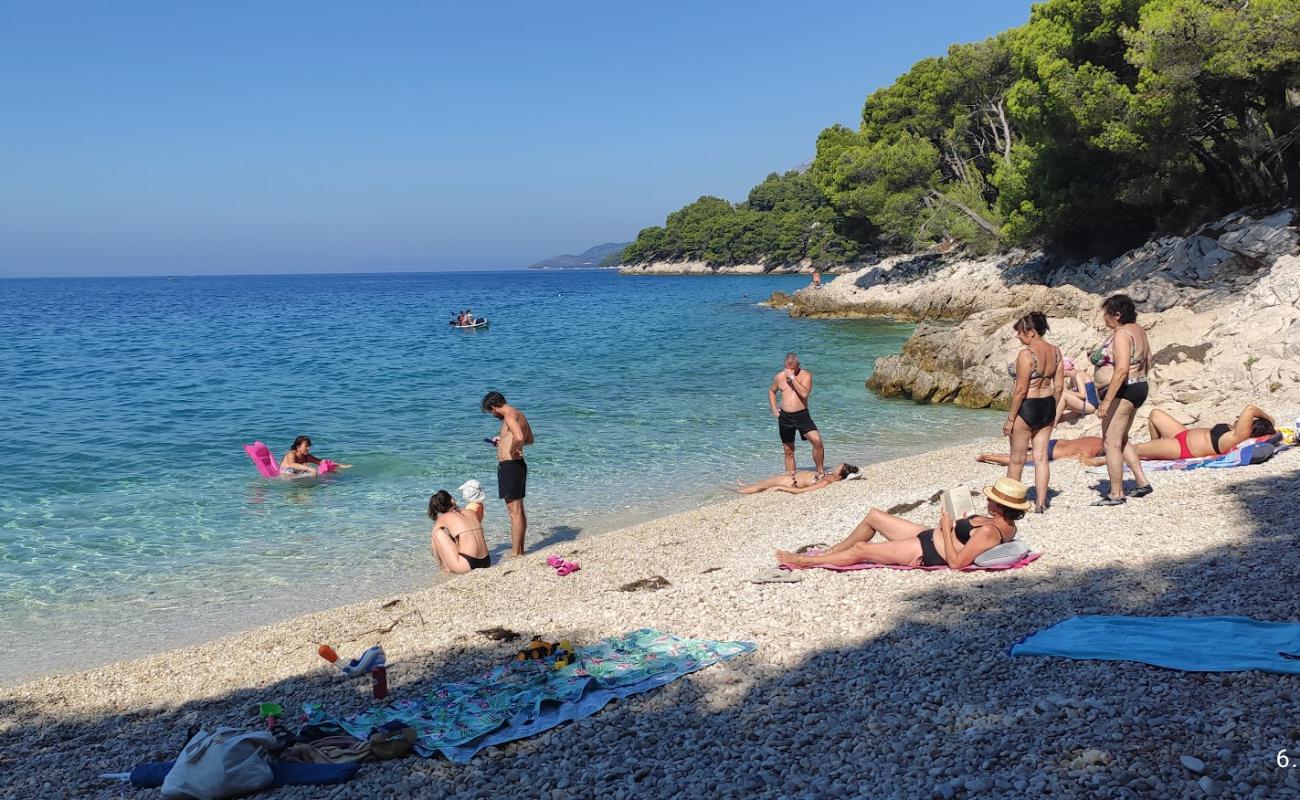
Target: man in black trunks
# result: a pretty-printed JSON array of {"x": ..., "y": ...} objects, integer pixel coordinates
[
  {"x": 512, "y": 472},
  {"x": 795, "y": 384}
]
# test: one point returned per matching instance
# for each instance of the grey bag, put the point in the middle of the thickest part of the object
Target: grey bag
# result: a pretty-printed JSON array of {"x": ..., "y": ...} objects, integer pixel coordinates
[{"x": 226, "y": 763}]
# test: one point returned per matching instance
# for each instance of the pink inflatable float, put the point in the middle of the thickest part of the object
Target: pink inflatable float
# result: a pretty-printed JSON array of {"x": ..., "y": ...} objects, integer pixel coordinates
[{"x": 270, "y": 468}]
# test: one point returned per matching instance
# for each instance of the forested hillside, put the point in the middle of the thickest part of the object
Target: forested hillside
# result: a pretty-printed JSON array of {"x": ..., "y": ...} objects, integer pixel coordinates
[{"x": 1092, "y": 126}]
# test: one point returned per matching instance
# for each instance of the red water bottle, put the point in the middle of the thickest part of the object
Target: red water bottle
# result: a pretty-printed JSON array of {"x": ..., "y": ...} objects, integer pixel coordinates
[{"x": 379, "y": 682}]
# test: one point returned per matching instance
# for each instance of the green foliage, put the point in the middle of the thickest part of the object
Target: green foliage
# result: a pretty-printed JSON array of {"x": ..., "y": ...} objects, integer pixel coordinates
[
  {"x": 785, "y": 220},
  {"x": 1094, "y": 124}
]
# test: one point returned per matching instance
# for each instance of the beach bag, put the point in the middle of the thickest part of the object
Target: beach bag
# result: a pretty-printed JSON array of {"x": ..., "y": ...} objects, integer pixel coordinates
[
  {"x": 226, "y": 763},
  {"x": 1003, "y": 554}
]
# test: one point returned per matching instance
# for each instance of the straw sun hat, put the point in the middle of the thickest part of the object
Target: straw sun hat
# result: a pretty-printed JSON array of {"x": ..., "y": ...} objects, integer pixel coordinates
[{"x": 1008, "y": 492}]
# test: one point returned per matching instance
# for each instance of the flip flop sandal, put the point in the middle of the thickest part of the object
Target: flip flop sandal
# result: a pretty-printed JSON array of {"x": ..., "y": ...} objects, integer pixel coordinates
[
  {"x": 554, "y": 561},
  {"x": 1110, "y": 501},
  {"x": 1141, "y": 491},
  {"x": 567, "y": 568}
]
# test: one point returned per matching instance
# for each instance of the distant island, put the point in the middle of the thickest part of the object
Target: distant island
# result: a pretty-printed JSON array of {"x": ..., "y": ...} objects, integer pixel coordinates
[{"x": 602, "y": 255}]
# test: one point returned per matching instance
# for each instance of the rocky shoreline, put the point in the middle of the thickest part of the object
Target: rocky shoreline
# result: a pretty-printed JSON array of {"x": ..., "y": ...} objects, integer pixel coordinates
[
  {"x": 1221, "y": 305},
  {"x": 906, "y": 672}
]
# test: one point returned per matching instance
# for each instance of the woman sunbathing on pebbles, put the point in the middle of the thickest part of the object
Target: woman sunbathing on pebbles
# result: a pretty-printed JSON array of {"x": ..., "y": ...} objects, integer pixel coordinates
[
  {"x": 1171, "y": 439},
  {"x": 802, "y": 481},
  {"x": 953, "y": 545}
]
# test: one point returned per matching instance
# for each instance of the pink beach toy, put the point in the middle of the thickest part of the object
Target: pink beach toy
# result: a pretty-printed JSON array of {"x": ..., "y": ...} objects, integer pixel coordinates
[
  {"x": 567, "y": 567},
  {"x": 325, "y": 466},
  {"x": 263, "y": 460}
]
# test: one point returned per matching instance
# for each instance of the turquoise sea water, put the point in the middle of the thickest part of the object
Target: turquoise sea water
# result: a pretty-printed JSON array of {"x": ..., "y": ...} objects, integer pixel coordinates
[{"x": 131, "y": 518}]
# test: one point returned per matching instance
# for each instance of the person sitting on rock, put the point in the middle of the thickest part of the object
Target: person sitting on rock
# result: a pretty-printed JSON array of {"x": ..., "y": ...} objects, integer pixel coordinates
[
  {"x": 951, "y": 543},
  {"x": 1079, "y": 396},
  {"x": 802, "y": 481},
  {"x": 1171, "y": 439}
]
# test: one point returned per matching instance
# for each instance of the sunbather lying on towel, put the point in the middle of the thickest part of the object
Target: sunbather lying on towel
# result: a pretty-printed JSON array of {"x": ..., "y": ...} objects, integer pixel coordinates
[
  {"x": 800, "y": 482},
  {"x": 951, "y": 544},
  {"x": 1171, "y": 439},
  {"x": 1057, "y": 449}
]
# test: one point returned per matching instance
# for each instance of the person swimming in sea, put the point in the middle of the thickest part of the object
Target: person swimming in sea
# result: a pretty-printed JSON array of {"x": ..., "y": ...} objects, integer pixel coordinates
[
  {"x": 457, "y": 538},
  {"x": 299, "y": 461},
  {"x": 801, "y": 481}
]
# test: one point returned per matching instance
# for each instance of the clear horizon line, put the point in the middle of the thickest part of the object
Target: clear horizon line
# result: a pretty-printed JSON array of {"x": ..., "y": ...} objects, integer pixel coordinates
[{"x": 153, "y": 275}]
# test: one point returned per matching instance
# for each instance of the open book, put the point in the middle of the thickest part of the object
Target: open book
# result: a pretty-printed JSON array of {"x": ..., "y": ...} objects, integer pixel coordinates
[{"x": 957, "y": 503}]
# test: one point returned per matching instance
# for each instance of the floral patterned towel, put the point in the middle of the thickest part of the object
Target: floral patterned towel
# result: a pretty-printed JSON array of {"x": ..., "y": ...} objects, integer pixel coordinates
[{"x": 522, "y": 698}]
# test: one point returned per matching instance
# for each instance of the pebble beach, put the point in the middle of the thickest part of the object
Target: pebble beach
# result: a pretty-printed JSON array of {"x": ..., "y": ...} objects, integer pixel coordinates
[{"x": 873, "y": 683}]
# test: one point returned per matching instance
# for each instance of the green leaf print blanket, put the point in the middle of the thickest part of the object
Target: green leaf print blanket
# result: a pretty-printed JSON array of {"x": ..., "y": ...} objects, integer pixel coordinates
[{"x": 523, "y": 698}]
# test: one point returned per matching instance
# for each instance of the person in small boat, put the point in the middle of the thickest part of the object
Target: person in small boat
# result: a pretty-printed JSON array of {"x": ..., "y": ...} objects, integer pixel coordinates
[
  {"x": 1039, "y": 377},
  {"x": 801, "y": 481},
  {"x": 1087, "y": 447},
  {"x": 951, "y": 543},
  {"x": 1171, "y": 439},
  {"x": 299, "y": 461},
  {"x": 457, "y": 539}
]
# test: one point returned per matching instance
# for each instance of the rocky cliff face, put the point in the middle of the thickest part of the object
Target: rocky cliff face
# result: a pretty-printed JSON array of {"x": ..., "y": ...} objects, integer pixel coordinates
[{"x": 1221, "y": 307}]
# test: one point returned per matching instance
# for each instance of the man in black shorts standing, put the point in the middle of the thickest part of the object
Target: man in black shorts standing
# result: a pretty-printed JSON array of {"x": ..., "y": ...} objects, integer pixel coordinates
[
  {"x": 795, "y": 384},
  {"x": 512, "y": 472}
]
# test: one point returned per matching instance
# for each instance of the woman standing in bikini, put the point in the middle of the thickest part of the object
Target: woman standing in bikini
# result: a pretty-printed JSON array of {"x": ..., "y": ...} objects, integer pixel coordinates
[
  {"x": 1040, "y": 378},
  {"x": 953, "y": 544},
  {"x": 457, "y": 538},
  {"x": 1122, "y": 362}
]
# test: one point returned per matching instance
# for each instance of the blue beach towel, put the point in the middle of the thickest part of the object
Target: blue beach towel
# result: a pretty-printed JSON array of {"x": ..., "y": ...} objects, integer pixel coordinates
[
  {"x": 524, "y": 698},
  {"x": 284, "y": 773},
  {"x": 1192, "y": 644}
]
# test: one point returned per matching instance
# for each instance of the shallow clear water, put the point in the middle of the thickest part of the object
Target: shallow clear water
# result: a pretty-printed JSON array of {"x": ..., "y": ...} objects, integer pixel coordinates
[{"x": 131, "y": 518}]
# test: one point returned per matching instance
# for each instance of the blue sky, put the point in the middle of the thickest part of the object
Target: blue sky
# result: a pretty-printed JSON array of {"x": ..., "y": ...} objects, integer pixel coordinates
[{"x": 237, "y": 137}]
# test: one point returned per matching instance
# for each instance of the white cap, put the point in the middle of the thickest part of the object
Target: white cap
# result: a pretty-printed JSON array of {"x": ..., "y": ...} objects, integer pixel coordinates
[{"x": 472, "y": 492}]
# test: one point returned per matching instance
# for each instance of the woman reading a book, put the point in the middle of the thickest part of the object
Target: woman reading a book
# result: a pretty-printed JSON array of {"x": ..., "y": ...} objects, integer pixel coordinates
[{"x": 952, "y": 543}]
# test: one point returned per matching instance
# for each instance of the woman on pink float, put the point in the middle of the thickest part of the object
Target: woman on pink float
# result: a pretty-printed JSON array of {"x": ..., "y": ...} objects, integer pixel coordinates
[{"x": 950, "y": 544}]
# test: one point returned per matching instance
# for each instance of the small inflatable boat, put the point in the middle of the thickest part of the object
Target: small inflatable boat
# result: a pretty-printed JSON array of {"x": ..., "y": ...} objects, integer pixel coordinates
[{"x": 481, "y": 322}]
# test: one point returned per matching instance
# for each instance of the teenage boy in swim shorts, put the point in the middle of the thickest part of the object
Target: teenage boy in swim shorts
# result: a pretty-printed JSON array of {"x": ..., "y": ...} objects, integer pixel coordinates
[
  {"x": 795, "y": 384},
  {"x": 512, "y": 472}
]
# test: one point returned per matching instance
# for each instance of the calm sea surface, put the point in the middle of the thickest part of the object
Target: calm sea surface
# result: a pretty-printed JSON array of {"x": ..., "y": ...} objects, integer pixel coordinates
[{"x": 131, "y": 519}]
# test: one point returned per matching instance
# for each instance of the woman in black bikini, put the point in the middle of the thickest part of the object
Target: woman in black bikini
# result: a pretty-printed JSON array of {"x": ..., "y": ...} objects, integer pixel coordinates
[
  {"x": 1040, "y": 377},
  {"x": 457, "y": 539},
  {"x": 1124, "y": 358},
  {"x": 951, "y": 544}
]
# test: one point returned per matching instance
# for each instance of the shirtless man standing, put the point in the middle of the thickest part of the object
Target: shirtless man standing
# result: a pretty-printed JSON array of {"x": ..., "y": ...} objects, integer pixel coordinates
[
  {"x": 795, "y": 384},
  {"x": 512, "y": 472}
]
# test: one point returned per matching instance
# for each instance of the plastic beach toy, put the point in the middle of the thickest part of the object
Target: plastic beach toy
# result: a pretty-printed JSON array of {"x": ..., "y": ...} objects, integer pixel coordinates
[
  {"x": 561, "y": 566},
  {"x": 262, "y": 459},
  {"x": 266, "y": 464}
]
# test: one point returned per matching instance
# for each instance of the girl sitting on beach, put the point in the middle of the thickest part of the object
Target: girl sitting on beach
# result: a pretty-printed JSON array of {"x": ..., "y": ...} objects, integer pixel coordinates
[
  {"x": 299, "y": 460},
  {"x": 953, "y": 544},
  {"x": 457, "y": 538},
  {"x": 1079, "y": 397},
  {"x": 801, "y": 481}
]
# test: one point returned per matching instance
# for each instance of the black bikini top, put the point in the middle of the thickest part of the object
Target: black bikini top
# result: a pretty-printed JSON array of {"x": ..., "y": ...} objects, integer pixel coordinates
[{"x": 962, "y": 530}]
